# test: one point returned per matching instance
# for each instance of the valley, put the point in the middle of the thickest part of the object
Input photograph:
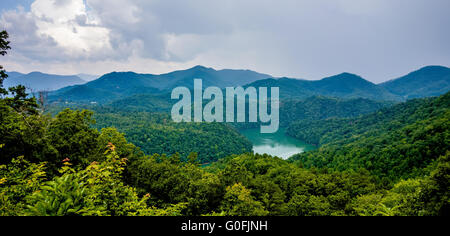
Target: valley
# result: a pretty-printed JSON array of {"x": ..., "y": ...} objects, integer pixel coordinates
[{"x": 345, "y": 147}]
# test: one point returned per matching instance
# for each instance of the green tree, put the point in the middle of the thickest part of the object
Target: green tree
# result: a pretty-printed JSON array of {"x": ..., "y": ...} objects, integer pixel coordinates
[
  {"x": 238, "y": 201},
  {"x": 18, "y": 180},
  {"x": 4, "y": 47},
  {"x": 72, "y": 136}
]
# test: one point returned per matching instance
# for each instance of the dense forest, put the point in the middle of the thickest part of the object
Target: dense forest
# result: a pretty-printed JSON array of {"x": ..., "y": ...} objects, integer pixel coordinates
[
  {"x": 403, "y": 141},
  {"x": 157, "y": 133},
  {"x": 387, "y": 162}
]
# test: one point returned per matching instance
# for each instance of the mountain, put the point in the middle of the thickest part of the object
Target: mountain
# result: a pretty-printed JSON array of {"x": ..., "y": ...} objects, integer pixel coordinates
[
  {"x": 14, "y": 74},
  {"x": 83, "y": 93},
  {"x": 143, "y": 103},
  {"x": 37, "y": 81},
  {"x": 211, "y": 77},
  {"x": 396, "y": 142},
  {"x": 119, "y": 84},
  {"x": 344, "y": 85},
  {"x": 428, "y": 81}
]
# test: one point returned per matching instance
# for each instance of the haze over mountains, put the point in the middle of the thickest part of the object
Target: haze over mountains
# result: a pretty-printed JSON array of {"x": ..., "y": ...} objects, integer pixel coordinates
[
  {"x": 37, "y": 81},
  {"x": 427, "y": 81}
]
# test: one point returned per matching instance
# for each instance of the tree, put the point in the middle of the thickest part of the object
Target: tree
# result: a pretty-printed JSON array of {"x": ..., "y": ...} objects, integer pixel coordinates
[
  {"x": 18, "y": 180},
  {"x": 71, "y": 134},
  {"x": 239, "y": 202},
  {"x": 20, "y": 102},
  {"x": 4, "y": 47}
]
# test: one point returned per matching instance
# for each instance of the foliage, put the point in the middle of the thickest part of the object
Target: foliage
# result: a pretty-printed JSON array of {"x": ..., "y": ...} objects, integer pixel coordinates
[
  {"x": 64, "y": 196},
  {"x": 18, "y": 180},
  {"x": 157, "y": 133},
  {"x": 239, "y": 202},
  {"x": 4, "y": 47},
  {"x": 95, "y": 191},
  {"x": 427, "y": 196},
  {"x": 399, "y": 142}
]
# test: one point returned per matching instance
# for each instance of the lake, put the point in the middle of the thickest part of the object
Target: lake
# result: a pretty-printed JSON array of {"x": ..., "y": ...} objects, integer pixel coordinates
[{"x": 277, "y": 144}]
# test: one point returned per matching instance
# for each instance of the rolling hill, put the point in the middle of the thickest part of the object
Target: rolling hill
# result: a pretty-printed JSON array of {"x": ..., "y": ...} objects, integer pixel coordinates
[
  {"x": 428, "y": 81},
  {"x": 395, "y": 142}
]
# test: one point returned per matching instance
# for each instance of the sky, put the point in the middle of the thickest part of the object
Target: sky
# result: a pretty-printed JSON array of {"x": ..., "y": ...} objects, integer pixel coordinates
[{"x": 379, "y": 40}]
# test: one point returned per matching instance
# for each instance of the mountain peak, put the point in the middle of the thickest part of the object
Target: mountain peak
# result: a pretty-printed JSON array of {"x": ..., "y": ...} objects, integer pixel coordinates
[
  {"x": 427, "y": 81},
  {"x": 201, "y": 68},
  {"x": 432, "y": 69},
  {"x": 35, "y": 73},
  {"x": 346, "y": 77}
]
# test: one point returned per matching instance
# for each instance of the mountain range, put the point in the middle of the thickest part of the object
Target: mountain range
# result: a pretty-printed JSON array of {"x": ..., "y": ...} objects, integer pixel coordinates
[
  {"x": 344, "y": 85},
  {"x": 121, "y": 84},
  {"x": 425, "y": 82},
  {"x": 37, "y": 81}
]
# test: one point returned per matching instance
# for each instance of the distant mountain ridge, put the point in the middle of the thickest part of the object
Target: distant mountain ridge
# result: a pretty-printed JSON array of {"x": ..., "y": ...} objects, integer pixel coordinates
[
  {"x": 425, "y": 82},
  {"x": 344, "y": 85},
  {"x": 122, "y": 84},
  {"x": 37, "y": 81},
  {"x": 428, "y": 81}
]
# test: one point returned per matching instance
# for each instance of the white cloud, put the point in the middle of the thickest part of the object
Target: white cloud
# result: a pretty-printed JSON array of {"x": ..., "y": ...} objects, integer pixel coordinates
[
  {"x": 71, "y": 26},
  {"x": 57, "y": 29}
]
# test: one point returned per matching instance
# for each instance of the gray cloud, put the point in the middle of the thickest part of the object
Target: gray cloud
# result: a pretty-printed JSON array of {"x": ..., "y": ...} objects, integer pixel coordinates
[{"x": 377, "y": 39}]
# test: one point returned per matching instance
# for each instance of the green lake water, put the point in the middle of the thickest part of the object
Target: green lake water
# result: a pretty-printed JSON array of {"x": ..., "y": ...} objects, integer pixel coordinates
[{"x": 277, "y": 144}]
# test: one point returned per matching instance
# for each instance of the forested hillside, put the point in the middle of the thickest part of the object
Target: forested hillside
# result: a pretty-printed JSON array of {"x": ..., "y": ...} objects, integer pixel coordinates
[
  {"x": 318, "y": 108},
  {"x": 61, "y": 166},
  {"x": 157, "y": 133},
  {"x": 399, "y": 142},
  {"x": 344, "y": 85},
  {"x": 428, "y": 81}
]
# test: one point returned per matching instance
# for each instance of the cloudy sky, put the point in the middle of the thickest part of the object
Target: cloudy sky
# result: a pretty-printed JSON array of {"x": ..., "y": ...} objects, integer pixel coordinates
[{"x": 311, "y": 39}]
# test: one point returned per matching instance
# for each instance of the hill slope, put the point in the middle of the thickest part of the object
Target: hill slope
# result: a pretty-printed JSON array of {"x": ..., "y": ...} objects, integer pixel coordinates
[
  {"x": 428, "y": 81},
  {"x": 396, "y": 142}
]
